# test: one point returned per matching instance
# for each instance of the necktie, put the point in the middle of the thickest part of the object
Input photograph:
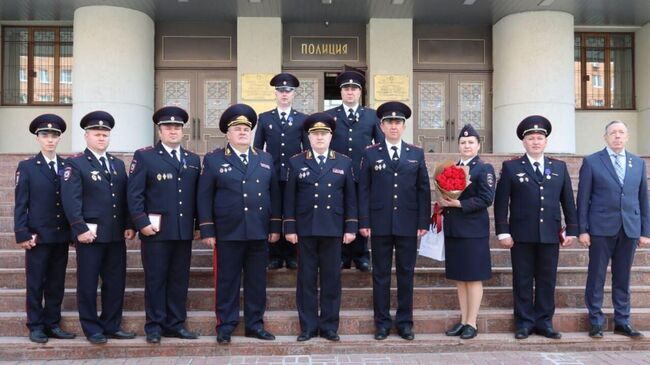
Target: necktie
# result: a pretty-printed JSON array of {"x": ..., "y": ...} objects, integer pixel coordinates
[
  {"x": 395, "y": 155},
  {"x": 244, "y": 159},
  {"x": 52, "y": 170},
  {"x": 283, "y": 118},
  {"x": 175, "y": 158},
  {"x": 321, "y": 161},
  {"x": 102, "y": 161},
  {"x": 538, "y": 172},
  {"x": 351, "y": 116},
  {"x": 618, "y": 167}
]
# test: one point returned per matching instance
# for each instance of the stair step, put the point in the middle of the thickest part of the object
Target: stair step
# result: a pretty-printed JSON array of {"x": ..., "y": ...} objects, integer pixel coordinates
[
  {"x": 352, "y": 322},
  {"x": 201, "y": 257},
  {"x": 20, "y": 348},
  {"x": 202, "y": 277},
  {"x": 424, "y": 298}
]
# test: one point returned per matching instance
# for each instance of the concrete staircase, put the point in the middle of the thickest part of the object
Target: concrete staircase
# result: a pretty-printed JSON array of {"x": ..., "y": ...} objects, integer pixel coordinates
[{"x": 435, "y": 303}]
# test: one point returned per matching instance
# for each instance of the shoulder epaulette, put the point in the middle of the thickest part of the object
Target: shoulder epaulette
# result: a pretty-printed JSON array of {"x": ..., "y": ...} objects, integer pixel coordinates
[
  {"x": 147, "y": 148},
  {"x": 373, "y": 145}
]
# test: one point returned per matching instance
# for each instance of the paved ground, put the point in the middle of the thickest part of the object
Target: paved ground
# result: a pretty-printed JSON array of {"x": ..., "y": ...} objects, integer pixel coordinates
[{"x": 476, "y": 358}]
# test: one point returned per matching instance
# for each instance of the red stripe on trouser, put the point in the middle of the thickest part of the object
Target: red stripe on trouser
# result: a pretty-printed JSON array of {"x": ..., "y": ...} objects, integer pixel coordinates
[{"x": 214, "y": 269}]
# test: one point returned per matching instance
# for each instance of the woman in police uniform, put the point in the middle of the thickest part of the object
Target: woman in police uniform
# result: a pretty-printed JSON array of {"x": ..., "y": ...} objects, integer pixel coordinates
[{"x": 467, "y": 234}]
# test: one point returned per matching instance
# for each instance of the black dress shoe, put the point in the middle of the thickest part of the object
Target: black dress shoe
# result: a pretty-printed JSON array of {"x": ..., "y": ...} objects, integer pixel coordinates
[
  {"x": 292, "y": 264},
  {"x": 306, "y": 336},
  {"x": 456, "y": 330},
  {"x": 181, "y": 333},
  {"x": 97, "y": 339},
  {"x": 627, "y": 330},
  {"x": 549, "y": 332},
  {"x": 223, "y": 338},
  {"x": 38, "y": 336},
  {"x": 121, "y": 335},
  {"x": 522, "y": 333},
  {"x": 406, "y": 333},
  {"x": 363, "y": 266},
  {"x": 260, "y": 334},
  {"x": 345, "y": 265},
  {"x": 153, "y": 337},
  {"x": 275, "y": 264},
  {"x": 330, "y": 335},
  {"x": 57, "y": 332},
  {"x": 469, "y": 332},
  {"x": 596, "y": 331},
  {"x": 381, "y": 333}
]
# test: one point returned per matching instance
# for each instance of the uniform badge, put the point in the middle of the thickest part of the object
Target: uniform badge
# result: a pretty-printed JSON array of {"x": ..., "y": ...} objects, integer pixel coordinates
[
  {"x": 380, "y": 165},
  {"x": 95, "y": 176},
  {"x": 164, "y": 176},
  {"x": 490, "y": 179},
  {"x": 522, "y": 177},
  {"x": 170, "y": 176},
  {"x": 270, "y": 126},
  {"x": 66, "y": 174},
  {"x": 290, "y": 120},
  {"x": 225, "y": 168},
  {"x": 338, "y": 171},
  {"x": 159, "y": 177},
  {"x": 304, "y": 173},
  {"x": 265, "y": 166},
  {"x": 17, "y": 177},
  {"x": 547, "y": 173}
]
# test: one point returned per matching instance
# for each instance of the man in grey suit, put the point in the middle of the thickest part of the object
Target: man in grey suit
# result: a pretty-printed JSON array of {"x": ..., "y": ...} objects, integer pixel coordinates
[{"x": 613, "y": 217}]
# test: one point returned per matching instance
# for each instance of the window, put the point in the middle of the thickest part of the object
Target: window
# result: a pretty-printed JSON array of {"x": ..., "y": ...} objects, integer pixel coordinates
[
  {"x": 604, "y": 70},
  {"x": 36, "y": 65}
]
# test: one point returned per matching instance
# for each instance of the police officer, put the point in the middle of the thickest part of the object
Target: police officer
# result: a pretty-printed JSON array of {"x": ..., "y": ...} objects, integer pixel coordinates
[
  {"x": 94, "y": 201},
  {"x": 357, "y": 128},
  {"x": 320, "y": 214},
  {"x": 162, "y": 187},
  {"x": 395, "y": 208},
  {"x": 238, "y": 203},
  {"x": 281, "y": 131},
  {"x": 613, "y": 215},
  {"x": 532, "y": 189},
  {"x": 42, "y": 230},
  {"x": 467, "y": 233}
]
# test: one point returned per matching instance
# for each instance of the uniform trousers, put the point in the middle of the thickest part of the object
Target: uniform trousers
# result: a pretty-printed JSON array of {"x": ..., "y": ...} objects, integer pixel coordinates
[
  {"x": 105, "y": 260},
  {"x": 167, "y": 276},
  {"x": 534, "y": 265},
  {"x": 231, "y": 257},
  {"x": 45, "y": 266},
  {"x": 319, "y": 257},
  {"x": 382, "y": 260}
]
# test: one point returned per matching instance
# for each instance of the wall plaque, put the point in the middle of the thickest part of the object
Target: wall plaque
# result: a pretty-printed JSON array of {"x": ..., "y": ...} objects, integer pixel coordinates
[
  {"x": 391, "y": 87},
  {"x": 256, "y": 87}
]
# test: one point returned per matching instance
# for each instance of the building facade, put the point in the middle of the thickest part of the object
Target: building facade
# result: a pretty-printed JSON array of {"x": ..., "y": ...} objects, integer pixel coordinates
[{"x": 485, "y": 62}]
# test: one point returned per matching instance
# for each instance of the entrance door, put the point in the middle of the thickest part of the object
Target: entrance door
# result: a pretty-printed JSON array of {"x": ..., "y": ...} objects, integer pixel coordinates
[
  {"x": 309, "y": 96},
  {"x": 204, "y": 95},
  {"x": 445, "y": 102}
]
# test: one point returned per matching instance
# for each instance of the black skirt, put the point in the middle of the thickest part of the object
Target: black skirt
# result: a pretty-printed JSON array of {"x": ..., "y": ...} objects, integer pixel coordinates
[{"x": 467, "y": 259}]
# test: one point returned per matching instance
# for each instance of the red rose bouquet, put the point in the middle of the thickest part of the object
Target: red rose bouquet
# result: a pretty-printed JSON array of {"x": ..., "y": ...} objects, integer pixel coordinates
[{"x": 450, "y": 180}]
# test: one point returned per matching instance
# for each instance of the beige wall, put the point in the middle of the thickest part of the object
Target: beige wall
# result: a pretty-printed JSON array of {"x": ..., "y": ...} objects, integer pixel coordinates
[
  {"x": 258, "y": 53},
  {"x": 642, "y": 60},
  {"x": 396, "y": 59},
  {"x": 590, "y": 128},
  {"x": 14, "y": 128}
]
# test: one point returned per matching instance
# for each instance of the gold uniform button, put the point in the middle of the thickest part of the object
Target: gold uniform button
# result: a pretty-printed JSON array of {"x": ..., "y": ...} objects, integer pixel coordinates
[
  {"x": 180, "y": 203},
  {"x": 114, "y": 206},
  {"x": 329, "y": 185},
  {"x": 315, "y": 195},
  {"x": 179, "y": 179},
  {"x": 282, "y": 134},
  {"x": 260, "y": 208},
  {"x": 246, "y": 209},
  {"x": 395, "y": 185},
  {"x": 112, "y": 194},
  {"x": 395, "y": 208},
  {"x": 541, "y": 209},
  {"x": 329, "y": 196},
  {"x": 58, "y": 215},
  {"x": 315, "y": 184},
  {"x": 350, "y": 138},
  {"x": 395, "y": 196},
  {"x": 114, "y": 216},
  {"x": 541, "y": 221},
  {"x": 282, "y": 144},
  {"x": 181, "y": 214},
  {"x": 350, "y": 149},
  {"x": 259, "y": 194},
  {"x": 243, "y": 182},
  {"x": 258, "y": 181},
  {"x": 315, "y": 206},
  {"x": 541, "y": 188},
  {"x": 180, "y": 190},
  {"x": 245, "y": 195},
  {"x": 328, "y": 207},
  {"x": 395, "y": 174},
  {"x": 541, "y": 197}
]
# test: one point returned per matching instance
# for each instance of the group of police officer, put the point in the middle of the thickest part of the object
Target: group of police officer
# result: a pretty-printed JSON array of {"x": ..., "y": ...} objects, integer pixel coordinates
[{"x": 322, "y": 179}]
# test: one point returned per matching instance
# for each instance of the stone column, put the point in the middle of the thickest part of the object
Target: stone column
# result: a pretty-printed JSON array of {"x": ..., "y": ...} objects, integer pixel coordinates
[
  {"x": 114, "y": 71},
  {"x": 534, "y": 74},
  {"x": 390, "y": 52}
]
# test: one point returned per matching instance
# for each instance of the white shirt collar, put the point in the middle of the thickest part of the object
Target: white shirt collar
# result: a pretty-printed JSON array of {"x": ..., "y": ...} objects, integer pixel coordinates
[
  {"x": 47, "y": 162},
  {"x": 532, "y": 162},
  {"x": 98, "y": 156},
  {"x": 611, "y": 152},
  {"x": 316, "y": 154},
  {"x": 286, "y": 111},
  {"x": 354, "y": 107},
  {"x": 238, "y": 153},
  {"x": 169, "y": 150},
  {"x": 398, "y": 145},
  {"x": 466, "y": 162}
]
